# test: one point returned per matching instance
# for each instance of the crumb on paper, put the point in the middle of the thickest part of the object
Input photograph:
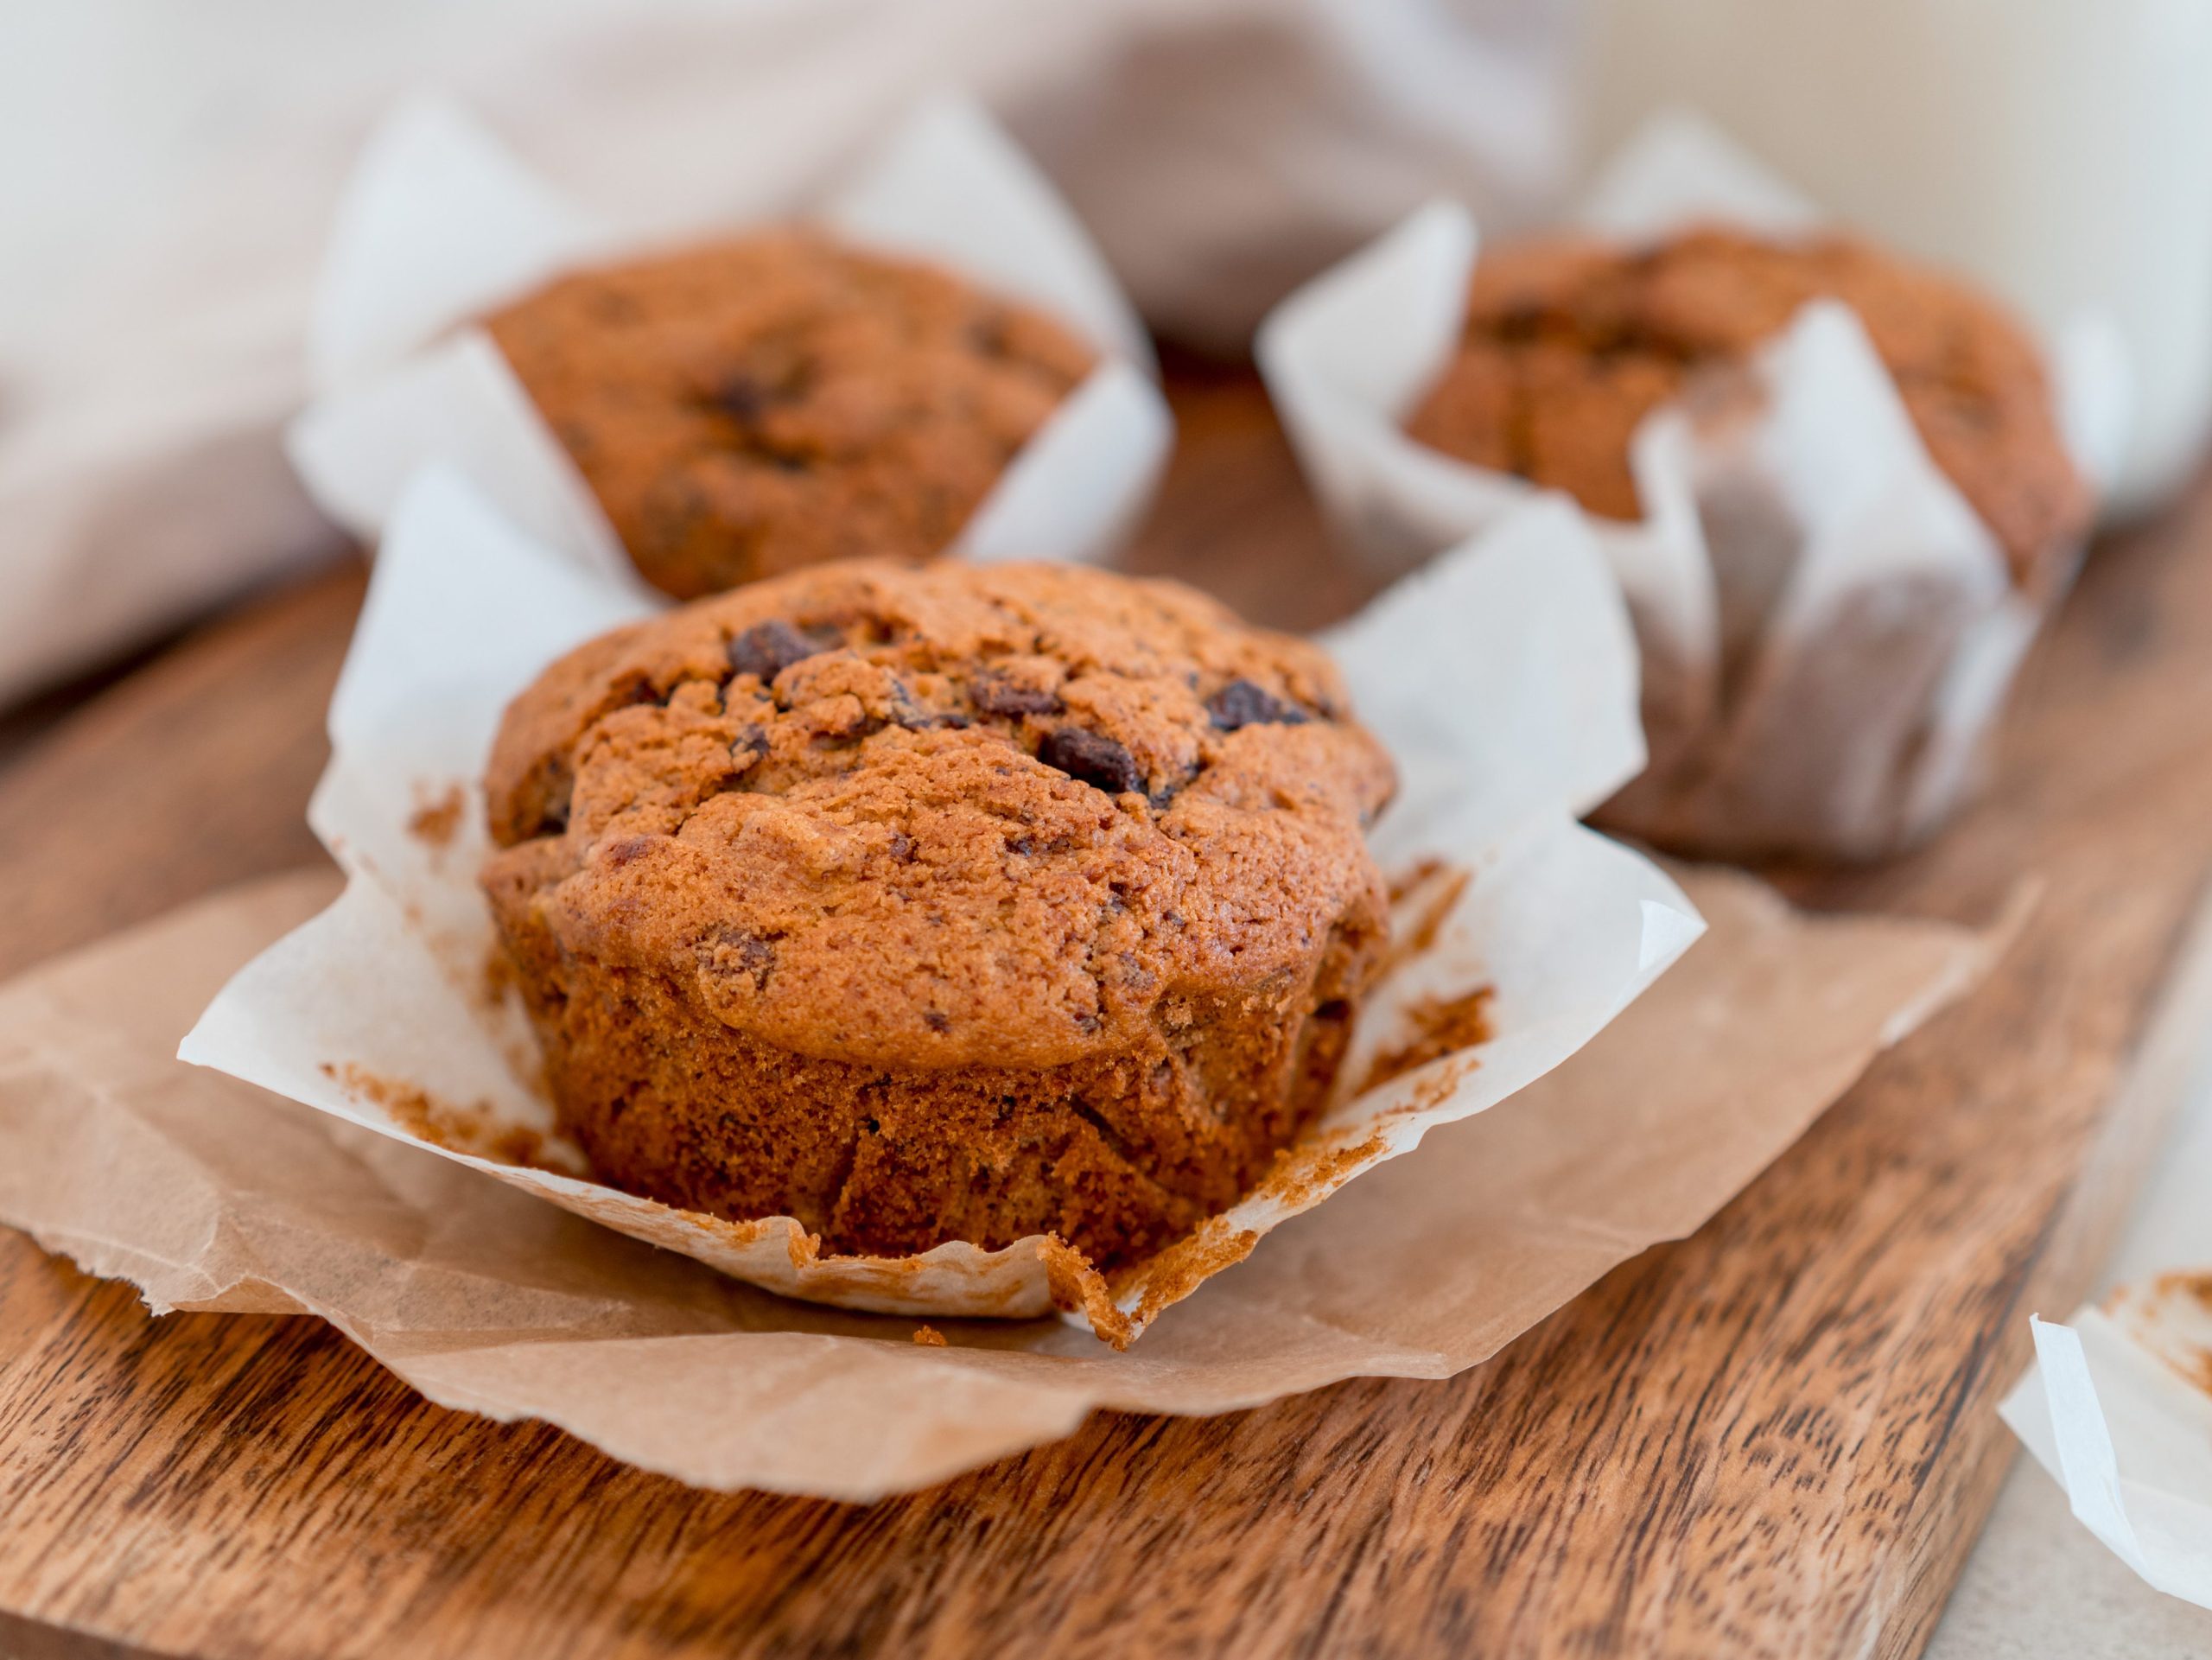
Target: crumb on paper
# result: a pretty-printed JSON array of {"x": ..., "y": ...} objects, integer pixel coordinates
[
  {"x": 473, "y": 1129},
  {"x": 1441, "y": 1025},
  {"x": 498, "y": 976},
  {"x": 1302, "y": 1175},
  {"x": 2193, "y": 1361},
  {"x": 2195, "y": 1286},
  {"x": 1436, "y": 886},
  {"x": 1415, "y": 875},
  {"x": 1075, "y": 1285},
  {"x": 1435, "y": 1085},
  {"x": 930, "y": 1338},
  {"x": 435, "y": 822},
  {"x": 2145, "y": 1311},
  {"x": 1172, "y": 1274}
]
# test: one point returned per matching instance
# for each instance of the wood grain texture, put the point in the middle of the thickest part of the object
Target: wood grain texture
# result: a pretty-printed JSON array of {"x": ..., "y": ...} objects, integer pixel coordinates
[{"x": 1774, "y": 1438}]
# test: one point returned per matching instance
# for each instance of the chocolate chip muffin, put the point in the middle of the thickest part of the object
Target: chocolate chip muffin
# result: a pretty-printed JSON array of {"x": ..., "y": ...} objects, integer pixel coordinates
[
  {"x": 1570, "y": 343},
  {"x": 936, "y": 903},
  {"x": 777, "y": 400}
]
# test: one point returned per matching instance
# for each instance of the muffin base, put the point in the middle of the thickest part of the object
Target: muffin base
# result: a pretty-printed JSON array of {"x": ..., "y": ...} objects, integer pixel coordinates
[{"x": 1118, "y": 1155}]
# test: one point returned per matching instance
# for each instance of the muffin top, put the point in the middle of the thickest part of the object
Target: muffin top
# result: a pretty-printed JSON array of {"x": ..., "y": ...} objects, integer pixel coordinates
[
  {"x": 1570, "y": 342},
  {"x": 776, "y": 400},
  {"x": 942, "y": 816}
]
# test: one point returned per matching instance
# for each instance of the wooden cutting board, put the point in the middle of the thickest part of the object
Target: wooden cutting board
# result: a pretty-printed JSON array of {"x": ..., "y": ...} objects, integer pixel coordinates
[{"x": 1776, "y": 1437}]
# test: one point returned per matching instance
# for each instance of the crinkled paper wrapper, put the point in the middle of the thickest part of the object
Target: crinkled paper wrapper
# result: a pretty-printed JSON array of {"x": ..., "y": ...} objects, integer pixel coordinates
[
  {"x": 442, "y": 225},
  {"x": 2117, "y": 1406},
  {"x": 1828, "y": 630},
  {"x": 381, "y": 1010}
]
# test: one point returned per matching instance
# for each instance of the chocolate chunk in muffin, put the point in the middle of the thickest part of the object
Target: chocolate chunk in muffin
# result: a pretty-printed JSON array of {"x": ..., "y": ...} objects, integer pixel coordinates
[
  {"x": 1240, "y": 704},
  {"x": 1097, "y": 759}
]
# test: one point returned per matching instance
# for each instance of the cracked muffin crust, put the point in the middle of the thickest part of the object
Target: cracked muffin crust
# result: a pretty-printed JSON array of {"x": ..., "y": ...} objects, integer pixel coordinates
[
  {"x": 768, "y": 401},
  {"x": 1570, "y": 342},
  {"x": 938, "y": 903}
]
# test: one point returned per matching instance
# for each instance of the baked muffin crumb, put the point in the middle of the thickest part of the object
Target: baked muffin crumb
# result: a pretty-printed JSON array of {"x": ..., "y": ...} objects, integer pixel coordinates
[{"x": 940, "y": 903}]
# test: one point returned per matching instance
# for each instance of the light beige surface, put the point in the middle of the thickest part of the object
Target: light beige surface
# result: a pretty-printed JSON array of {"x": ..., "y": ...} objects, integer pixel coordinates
[
  {"x": 2038, "y": 1584},
  {"x": 2038, "y": 1580}
]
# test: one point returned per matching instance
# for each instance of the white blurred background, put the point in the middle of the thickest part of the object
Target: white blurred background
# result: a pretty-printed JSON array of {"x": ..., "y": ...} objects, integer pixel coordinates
[{"x": 169, "y": 170}]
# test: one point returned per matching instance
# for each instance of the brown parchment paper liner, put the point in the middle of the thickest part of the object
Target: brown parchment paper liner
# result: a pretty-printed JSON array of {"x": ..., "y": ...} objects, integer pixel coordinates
[
  {"x": 210, "y": 1194},
  {"x": 440, "y": 224},
  {"x": 1503, "y": 679},
  {"x": 1828, "y": 631}
]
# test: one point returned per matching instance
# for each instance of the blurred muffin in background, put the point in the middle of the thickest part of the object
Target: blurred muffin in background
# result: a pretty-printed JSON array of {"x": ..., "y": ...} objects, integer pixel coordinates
[
  {"x": 763, "y": 402},
  {"x": 1570, "y": 342}
]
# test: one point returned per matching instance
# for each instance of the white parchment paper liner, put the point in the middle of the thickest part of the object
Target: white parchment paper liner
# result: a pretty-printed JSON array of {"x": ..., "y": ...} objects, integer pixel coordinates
[
  {"x": 2126, "y": 1434},
  {"x": 1505, "y": 732},
  {"x": 441, "y": 224},
  {"x": 1828, "y": 630},
  {"x": 2117, "y": 1405}
]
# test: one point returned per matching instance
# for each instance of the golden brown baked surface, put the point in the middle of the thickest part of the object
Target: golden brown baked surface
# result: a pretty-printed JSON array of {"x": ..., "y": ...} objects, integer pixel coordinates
[
  {"x": 761, "y": 404},
  {"x": 1569, "y": 343},
  {"x": 941, "y": 902}
]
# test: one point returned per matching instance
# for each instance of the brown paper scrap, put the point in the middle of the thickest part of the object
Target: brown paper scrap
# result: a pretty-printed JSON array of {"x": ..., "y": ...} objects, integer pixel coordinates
[{"x": 210, "y": 1194}]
